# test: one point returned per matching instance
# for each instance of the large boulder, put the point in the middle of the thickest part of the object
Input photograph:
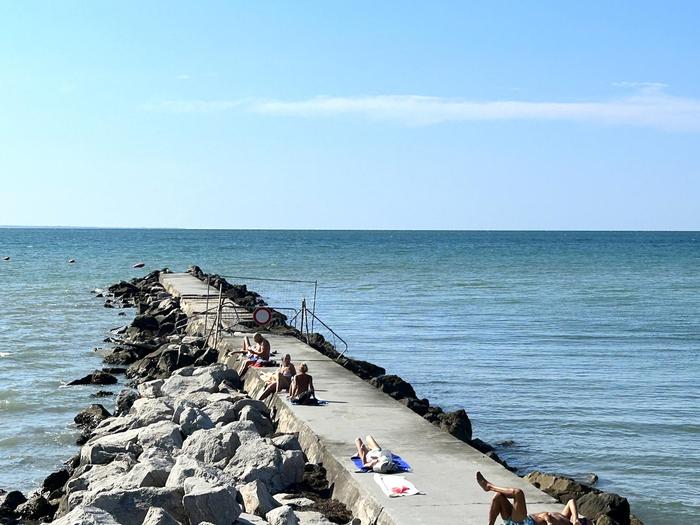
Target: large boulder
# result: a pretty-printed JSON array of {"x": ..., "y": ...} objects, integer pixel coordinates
[
  {"x": 86, "y": 516},
  {"x": 287, "y": 442},
  {"x": 261, "y": 421},
  {"x": 186, "y": 467},
  {"x": 595, "y": 505},
  {"x": 214, "y": 446},
  {"x": 204, "y": 501},
  {"x": 36, "y": 508},
  {"x": 98, "y": 377},
  {"x": 221, "y": 412},
  {"x": 55, "y": 481},
  {"x": 260, "y": 459},
  {"x": 257, "y": 498},
  {"x": 104, "y": 449},
  {"x": 163, "y": 435},
  {"x": 88, "y": 418},
  {"x": 192, "y": 419},
  {"x": 158, "y": 516},
  {"x": 129, "y": 507},
  {"x": 146, "y": 411},
  {"x": 559, "y": 487},
  {"x": 394, "y": 386},
  {"x": 151, "y": 470},
  {"x": 283, "y": 515},
  {"x": 125, "y": 400},
  {"x": 456, "y": 423}
]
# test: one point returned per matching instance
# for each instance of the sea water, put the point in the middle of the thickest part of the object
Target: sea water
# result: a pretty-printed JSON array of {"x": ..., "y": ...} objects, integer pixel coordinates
[{"x": 572, "y": 352}]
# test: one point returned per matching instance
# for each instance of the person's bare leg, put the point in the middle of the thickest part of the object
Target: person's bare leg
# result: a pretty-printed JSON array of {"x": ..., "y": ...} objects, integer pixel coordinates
[
  {"x": 500, "y": 505},
  {"x": 246, "y": 343},
  {"x": 372, "y": 443},
  {"x": 571, "y": 511},
  {"x": 519, "y": 506},
  {"x": 361, "y": 450},
  {"x": 272, "y": 387}
]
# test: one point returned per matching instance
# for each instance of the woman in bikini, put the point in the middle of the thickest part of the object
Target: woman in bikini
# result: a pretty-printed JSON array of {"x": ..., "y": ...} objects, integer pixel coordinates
[
  {"x": 516, "y": 513},
  {"x": 283, "y": 378}
]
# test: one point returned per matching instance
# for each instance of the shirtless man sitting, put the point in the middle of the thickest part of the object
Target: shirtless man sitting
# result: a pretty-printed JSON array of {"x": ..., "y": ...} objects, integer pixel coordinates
[
  {"x": 260, "y": 353},
  {"x": 301, "y": 384},
  {"x": 516, "y": 513}
]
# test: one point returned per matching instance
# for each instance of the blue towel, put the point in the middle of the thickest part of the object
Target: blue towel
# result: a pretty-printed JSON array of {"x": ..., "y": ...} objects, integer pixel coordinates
[{"x": 401, "y": 465}]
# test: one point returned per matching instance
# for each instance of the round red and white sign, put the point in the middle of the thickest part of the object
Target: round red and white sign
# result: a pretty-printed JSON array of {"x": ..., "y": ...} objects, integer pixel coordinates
[{"x": 262, "y": 315}]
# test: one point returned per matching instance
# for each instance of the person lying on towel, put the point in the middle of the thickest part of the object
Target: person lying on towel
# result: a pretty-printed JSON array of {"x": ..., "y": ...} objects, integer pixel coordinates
[{"x": 375, "y": 457}]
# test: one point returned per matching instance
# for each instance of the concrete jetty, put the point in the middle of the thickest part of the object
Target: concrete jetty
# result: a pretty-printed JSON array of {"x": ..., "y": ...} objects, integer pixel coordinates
[{"x": 443, "y": 466}]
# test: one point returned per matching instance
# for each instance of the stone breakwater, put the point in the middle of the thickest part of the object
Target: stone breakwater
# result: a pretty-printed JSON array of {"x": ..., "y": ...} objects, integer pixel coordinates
[{"x": 185, "y": 444}]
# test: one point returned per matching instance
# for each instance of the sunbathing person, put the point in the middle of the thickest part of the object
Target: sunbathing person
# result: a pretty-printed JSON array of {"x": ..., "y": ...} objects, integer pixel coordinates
[
  {"x": 282, "y": 379},
  {"x": 375, "y": 457},
  {"x": 258, "y": 354},
  {"x": 302, "y": 389},
  {"x": 516, "y": 513}
]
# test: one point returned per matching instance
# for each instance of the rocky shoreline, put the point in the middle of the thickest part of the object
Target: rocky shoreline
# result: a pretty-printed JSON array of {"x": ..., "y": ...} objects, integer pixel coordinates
[{"x": 186, "y": 444}]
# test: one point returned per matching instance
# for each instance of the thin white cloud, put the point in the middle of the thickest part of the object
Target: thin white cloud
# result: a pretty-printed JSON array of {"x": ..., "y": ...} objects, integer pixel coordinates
[
  {"x": 647, "y": 106},
  {"x": 194, "y": 106}
]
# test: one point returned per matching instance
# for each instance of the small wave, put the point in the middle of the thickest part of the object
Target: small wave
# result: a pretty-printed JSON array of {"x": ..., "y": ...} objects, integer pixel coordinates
[{"x": 5, "y": 354}]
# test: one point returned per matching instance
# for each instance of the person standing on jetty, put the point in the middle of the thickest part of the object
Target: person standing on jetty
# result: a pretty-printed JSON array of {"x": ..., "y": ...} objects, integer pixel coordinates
[
  {"x": 258, "y": 355},
  {"x": 516, "y": 513}
]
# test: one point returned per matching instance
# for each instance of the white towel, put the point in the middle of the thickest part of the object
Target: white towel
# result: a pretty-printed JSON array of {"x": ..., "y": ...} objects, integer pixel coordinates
[{"x": 395, "y": 486}]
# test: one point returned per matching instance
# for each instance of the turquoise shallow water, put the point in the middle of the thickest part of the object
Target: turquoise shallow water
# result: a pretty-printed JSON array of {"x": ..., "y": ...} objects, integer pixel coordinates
[{"x": 581, "y": 348}]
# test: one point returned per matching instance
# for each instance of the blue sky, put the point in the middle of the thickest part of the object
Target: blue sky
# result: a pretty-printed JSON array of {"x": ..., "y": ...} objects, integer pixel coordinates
[{"x": 440, "y": 115}]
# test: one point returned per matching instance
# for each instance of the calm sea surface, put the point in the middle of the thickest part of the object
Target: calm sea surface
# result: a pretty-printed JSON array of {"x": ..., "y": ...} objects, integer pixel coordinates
[{"x": 579, "y": 351}]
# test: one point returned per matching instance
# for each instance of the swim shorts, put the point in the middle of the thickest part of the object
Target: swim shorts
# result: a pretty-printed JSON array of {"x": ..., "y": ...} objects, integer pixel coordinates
[{"x": 527, "y": 521}]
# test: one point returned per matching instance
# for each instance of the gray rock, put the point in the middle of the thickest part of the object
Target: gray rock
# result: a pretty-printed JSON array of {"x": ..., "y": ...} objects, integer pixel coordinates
[
  {"x": 245, "y": 430},
  {"x": 151, "y": 389},
  {"x": 293, "y": 500},
  {"x": 260, "y": 459},
  {"x": 309, "y": 517},
  {"x": 185, "y": 381},
  {"x": 104, "y": 449},
  {"x": 221, "y": 412},
  {"x": 249, "y": 519},
  {"x": 129, "y": 507},
  {"x": 152, "y": 470},
  {"x": 256, "y": 404},
  {"x": 257, "y": 499},
  {"x": 204, "y": 501},
  {"x": 146, "y": 411},
  {"x": 287, "y": 442},
  {"x": 125, "y": 400},
  {"x": 213, "y": 446},
  {"x": 283, "y": 515},
  {"x": 192, "y": 419},
  {"x": 186, "y": 467},
  {"x": 100, "y": 478},
  {"x": 164, "y": 435},
  {"x": 158, "y": 516},
  {"x": 86, "y": 516},
  {"x": 261, "y": 421}
]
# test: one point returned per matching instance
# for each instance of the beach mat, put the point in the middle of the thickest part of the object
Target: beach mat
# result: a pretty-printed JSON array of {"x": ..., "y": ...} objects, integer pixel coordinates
[{"x": 401, "y": 465}]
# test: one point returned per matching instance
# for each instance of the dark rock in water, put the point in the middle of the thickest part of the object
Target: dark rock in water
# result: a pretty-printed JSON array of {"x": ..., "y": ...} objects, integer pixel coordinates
[
  {"x": 138, "y": 265},
  {"x": 595, "y": 505},
  {"x": 71, "y": 261},
  {"x": 124, "y": 401},
  {"x": 90, "y": 417},
  {"x": 124, "y": 356},
  {"x": 102, "y": 393},
  {"x": 55, "y": 480},
  {"x": 36, "y": 508},
  {"x": 121, "y": 313},
  {"x": 394, "y": 386},
  {"x": 100, "y": 294},
  {"x": 362, "y": 369},
  {"x": 145, "y": 322},
  {"x": 590, "y": 478},
  {"x": 419, "y": 406},
  {"x": 499, "y": 460},
  {"x": 433, "y": 414},
  {"x": 98, "y": 377},
  {"x": 9, "y": 501},
  {"x": 108, "y": 304},
  {"x": 456, "y": 423},
  {"x": 559, "y": 487},
  {"x": 481, "y": 446},
  {"x": 505, "y": 443},
  {"x": 161, "y": 363},
  {"x": 6, "y": 258},
  {"x": 114, "y": 370},
  {"x": 123, "y": 289}
]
